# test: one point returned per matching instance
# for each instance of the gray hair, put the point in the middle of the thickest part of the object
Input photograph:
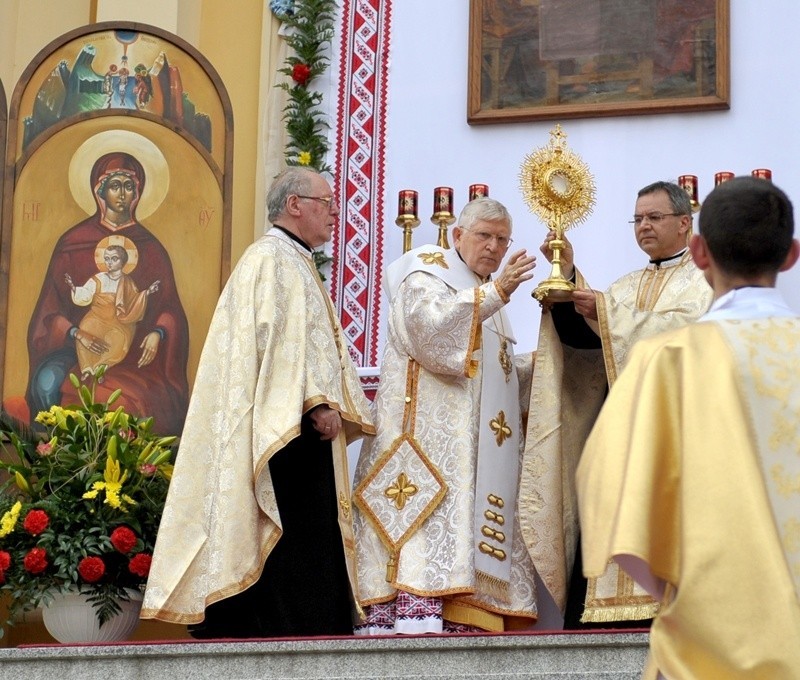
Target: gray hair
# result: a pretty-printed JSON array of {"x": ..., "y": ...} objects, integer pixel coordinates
[
  {"x": 483, "y": 209},
  {"x": 678, "y": 197},
  {"x": 292, "y": 181}
]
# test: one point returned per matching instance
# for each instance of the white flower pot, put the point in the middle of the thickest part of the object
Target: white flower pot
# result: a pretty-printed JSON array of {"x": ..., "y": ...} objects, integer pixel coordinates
[{"x": 71, "y": 618}]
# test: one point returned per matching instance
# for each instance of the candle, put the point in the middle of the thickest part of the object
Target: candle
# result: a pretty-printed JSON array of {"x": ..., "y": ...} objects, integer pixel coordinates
[
  {"x": 721, "y": 177},
  {"x": 762, "y": 173},
  {"x": 407, "y": 203},
  {"x": 478, "y": 191},
  {"x": 443, "y": 200},
  {"x": 689, "y": 184}
]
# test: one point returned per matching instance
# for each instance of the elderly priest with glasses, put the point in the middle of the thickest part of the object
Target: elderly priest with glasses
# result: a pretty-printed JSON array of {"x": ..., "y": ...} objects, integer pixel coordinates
[
  {"x": 582, "y": 346},
  {"x": 437, "y": 531}
]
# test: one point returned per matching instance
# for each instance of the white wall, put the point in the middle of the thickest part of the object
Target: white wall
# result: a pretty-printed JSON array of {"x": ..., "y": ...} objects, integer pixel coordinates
[{"x": 429, "y": 143}]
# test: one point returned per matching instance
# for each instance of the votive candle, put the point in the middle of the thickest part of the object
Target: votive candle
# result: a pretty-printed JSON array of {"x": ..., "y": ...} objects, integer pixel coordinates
[
  {"x": 721, "y": 177},
  {"x": 478, "y": 191},
  {"x": 689, "y": 184},
  {"x": 443, "y": 200},
  {"x": 762, "y": 173},
  {"x": 407, "y": 203}
]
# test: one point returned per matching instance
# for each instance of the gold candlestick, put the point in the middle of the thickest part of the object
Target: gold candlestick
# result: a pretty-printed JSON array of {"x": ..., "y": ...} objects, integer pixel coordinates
[
  {"x": 407, "y": 215},
  {"x": 443, "y": 213},
  {"x": 557, "y": 186}
]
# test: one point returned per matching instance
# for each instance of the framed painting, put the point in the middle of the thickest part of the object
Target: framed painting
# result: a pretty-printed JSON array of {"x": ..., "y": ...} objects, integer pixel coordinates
[
  {"x": 554, "y": 59},
  {"x": 115, "y": 240}
]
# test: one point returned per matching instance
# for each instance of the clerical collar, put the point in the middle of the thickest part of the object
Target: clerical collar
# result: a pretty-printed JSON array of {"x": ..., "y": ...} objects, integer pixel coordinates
[
  {"x": 294, "y": 237},
  {"x": 661, "y": 260}
]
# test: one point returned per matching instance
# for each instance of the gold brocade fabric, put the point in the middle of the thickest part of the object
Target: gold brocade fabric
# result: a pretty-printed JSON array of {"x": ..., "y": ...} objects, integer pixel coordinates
[
  {"x": 639, "y": 305},
  {"x": 273, "y": 351},
  {"x": 701, "y": 502},
  {"x": 439, "y": 329}
]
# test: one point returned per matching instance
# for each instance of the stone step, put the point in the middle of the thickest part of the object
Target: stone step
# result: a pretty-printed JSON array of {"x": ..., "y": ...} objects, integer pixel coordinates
[{"x": 551, "y": 656}]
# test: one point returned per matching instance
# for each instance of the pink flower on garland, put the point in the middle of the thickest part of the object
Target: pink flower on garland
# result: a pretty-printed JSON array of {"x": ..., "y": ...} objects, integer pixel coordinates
[
  {"x": 123, "y": 539},
  {"x": 140, "y": 564},
  {"x": 36, "y": 522},
  {"x": 91, "y": 569},
  {"x": 301, "y": 73},
  {"x": 35, "y": 562}
]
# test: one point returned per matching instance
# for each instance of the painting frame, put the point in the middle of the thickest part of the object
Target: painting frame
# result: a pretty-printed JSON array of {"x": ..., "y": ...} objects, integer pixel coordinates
[
  {"x": 553, "y": 85},
  {"x": 102, "y": 107}
]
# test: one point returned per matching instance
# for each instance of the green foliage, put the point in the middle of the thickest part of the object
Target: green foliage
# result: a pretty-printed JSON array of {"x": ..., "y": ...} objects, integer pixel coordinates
[
  {"x": 311, "y": 31},
  {"x": 95, "y": 469}
]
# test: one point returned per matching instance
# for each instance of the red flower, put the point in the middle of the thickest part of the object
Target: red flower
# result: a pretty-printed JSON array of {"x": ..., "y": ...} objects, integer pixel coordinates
[
  {"x": 140, "y": 564},
  {"x": 91, "y": 569},
  {"x": 35, "y": 562},
  {"x": 301, "y": 73},
  {"x": 5, "y": 560},
  {"x": 36, "y": 522},
  {"x": 123, "y": 539}
]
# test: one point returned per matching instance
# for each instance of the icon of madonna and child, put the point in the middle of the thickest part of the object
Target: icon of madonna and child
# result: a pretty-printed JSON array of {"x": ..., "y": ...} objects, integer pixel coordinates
[{"x": 109, "y": 298}]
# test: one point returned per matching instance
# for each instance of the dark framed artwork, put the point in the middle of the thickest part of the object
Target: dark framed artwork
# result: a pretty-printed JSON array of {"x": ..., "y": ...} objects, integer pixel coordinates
[
  {"x": 554, "y": 59},
  {"x": 116, "y": 225}
]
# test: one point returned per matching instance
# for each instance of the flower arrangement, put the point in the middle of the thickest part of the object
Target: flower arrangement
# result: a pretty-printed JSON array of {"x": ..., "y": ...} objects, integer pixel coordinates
[
  {"x": 82, "y": 503},
  {"x": 310, "y": 25}
]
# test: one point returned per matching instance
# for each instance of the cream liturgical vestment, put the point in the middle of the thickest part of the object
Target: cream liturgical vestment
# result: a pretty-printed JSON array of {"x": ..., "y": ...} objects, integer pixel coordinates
[
  {"x": 690, "y": 479},
  {"x": 267, "y": 360},
  {"x": 436, "y": 489},
  {"x": 567, "y": 391}
]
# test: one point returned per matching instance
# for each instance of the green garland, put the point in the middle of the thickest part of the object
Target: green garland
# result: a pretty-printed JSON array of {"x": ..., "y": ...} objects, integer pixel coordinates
[{"x": 311, "y": 24}]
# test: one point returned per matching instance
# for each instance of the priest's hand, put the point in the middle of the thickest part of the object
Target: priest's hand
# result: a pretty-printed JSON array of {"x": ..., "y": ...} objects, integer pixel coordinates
[
  {"x": 567, "y": 254},
  {"x": 326, "y": 421},
  {"x": 585, "y": 300},
  {"x": 519, "y": 268}
]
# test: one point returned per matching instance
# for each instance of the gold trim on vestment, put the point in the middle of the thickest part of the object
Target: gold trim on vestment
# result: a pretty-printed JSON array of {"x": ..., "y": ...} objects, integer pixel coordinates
[{"x": 471, "y": 365}]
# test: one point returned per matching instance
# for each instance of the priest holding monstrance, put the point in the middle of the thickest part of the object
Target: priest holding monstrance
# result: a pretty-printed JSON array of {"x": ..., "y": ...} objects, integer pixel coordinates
[{"x": 584, "y": 340}]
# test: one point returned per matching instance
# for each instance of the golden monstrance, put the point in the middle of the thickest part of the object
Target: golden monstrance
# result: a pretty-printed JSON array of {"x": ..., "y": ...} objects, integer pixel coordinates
[{"x": 558, "y": 187}]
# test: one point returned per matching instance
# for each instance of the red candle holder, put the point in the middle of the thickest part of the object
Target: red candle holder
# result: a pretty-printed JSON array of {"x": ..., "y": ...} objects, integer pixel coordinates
[
  {"x": 689, "y": 184},
  {"x": 407, "y": 203},
  {"x": 443, "y": 200},
  {"x": 721, "y": 177},
  {"x": 762, "y": 173},
  {"x": 478, "y": 191}
]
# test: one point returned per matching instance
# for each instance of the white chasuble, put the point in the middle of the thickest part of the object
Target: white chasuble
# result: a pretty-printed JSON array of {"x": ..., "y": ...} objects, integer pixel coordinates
[
  {"x": 274, "y": 351},
  {"x": 447, "y": 450},
  {"x": 690, "y": 478}
]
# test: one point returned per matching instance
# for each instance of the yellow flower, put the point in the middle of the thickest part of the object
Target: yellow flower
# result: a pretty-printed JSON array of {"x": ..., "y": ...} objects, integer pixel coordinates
[
  {"x": 9, "y": 519},
  {"x": 47, "y": 418},
  {"x": 304, "y": 158},
  {"x": 114, "y": 479}
]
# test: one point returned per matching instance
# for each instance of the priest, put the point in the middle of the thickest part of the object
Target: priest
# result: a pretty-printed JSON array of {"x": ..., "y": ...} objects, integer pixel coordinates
[
  {"x": 260, "y": 498},
  {"x": 689, "y": 480},
  {"x": 437, "y": 528},
  {"x": 582, "y": 346}
]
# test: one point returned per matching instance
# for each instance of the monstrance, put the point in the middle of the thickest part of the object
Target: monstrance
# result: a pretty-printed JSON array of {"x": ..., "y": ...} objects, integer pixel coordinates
[{"x": 558, "y": 187}]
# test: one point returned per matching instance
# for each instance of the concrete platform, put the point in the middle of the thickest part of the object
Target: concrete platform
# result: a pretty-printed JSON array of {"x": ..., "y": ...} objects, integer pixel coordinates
[{"x": 556, "y": 656}]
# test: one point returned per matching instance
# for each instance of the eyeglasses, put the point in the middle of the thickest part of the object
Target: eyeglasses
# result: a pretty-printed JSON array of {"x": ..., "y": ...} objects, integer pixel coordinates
[
  {"x": 327, "y": 200},
  {"x": 485, "y": 237},
  {"x": 652, "y": 218}
]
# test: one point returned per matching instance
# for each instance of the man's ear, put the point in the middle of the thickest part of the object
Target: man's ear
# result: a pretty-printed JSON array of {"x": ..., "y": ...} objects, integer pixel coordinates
[
  {"x": 791, "y": 258},
  {"x": 293, "y": 205},
  {"x": 699, "y": 249}
]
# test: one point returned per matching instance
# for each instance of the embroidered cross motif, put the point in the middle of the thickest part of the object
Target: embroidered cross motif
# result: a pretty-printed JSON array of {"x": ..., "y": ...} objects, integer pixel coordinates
[
  {"x": 500, "y": 428},
  {"x": 434, "y": 258},
  {"x": 400, "y": 491}
]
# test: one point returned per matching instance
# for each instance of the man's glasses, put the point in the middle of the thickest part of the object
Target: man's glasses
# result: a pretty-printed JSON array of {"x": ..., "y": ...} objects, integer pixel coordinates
[
  {"x": 652, "y": 218},
  {"x": 327, "y": 200},
  {"x": 485, "y": 237}
]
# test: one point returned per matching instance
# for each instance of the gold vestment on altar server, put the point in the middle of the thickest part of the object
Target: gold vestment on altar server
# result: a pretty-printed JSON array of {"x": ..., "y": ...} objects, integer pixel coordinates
[
  {"x": 710, "y": 503},
  {"x": 447, "y": 370},
  {"x": 267, "y": 360},
  {"x": 567, "y": 391}
]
